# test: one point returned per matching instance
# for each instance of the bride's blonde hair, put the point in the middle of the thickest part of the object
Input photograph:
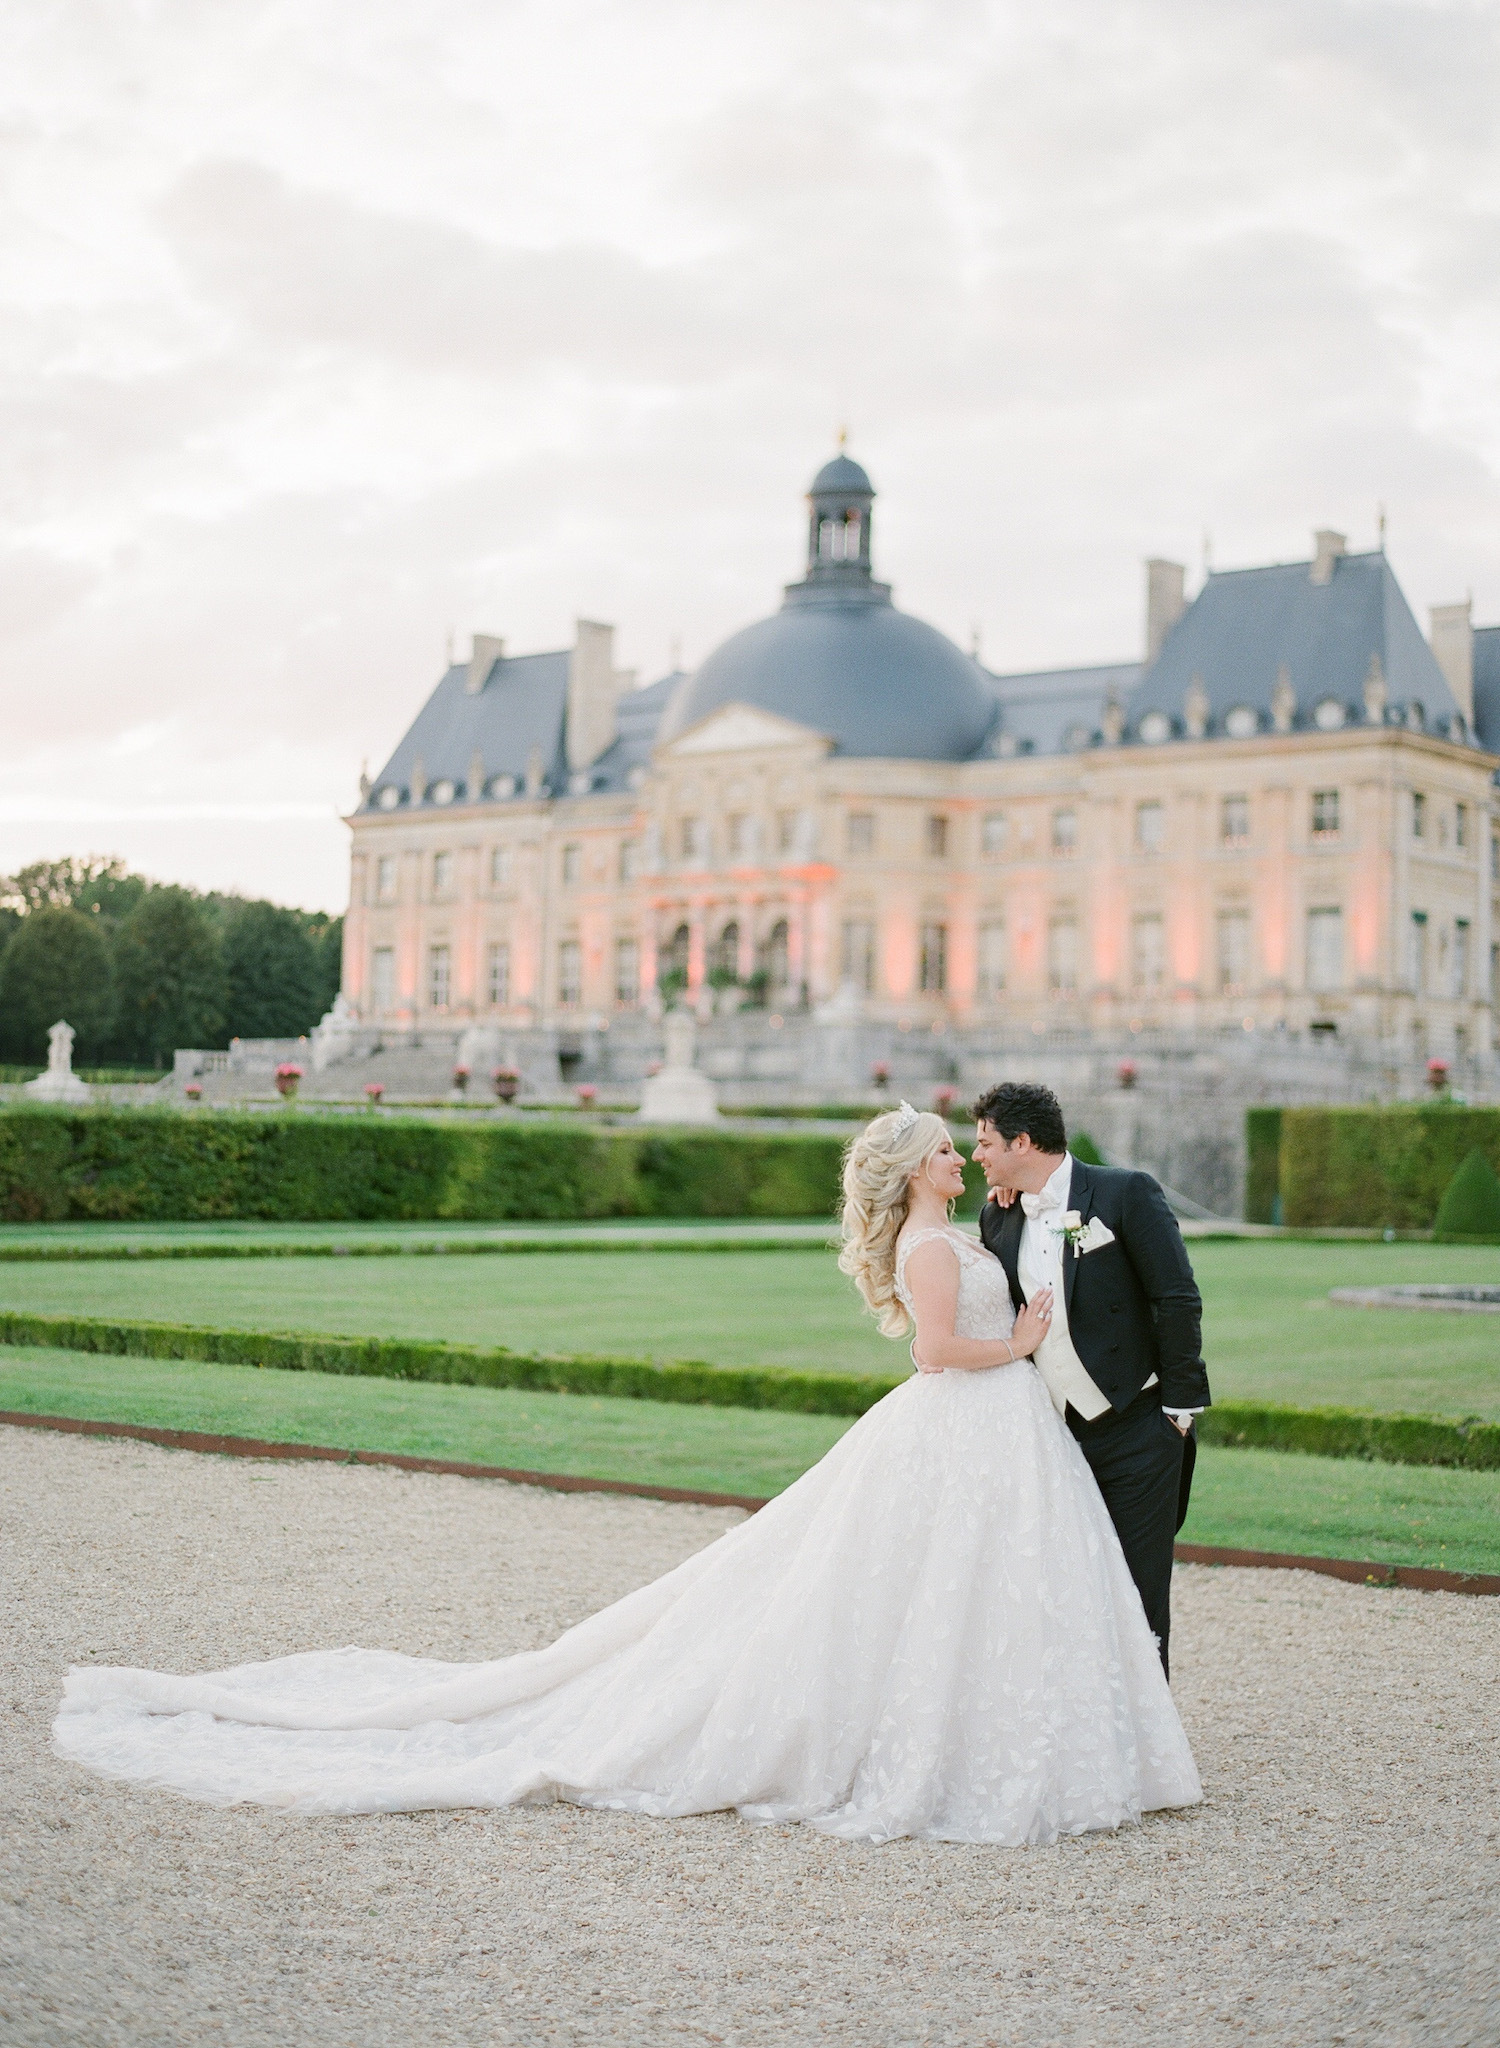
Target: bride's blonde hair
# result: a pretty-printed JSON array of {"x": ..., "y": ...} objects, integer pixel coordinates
[{"x": 878, "y": 1166}]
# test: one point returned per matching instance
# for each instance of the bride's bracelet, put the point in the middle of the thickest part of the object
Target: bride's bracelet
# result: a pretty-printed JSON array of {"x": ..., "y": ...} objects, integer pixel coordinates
[{"x": 1010, "y": 1348}]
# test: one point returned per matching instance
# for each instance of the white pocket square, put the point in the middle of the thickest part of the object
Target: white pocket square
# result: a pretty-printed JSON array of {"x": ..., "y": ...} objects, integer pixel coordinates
[{"x": 1093, "y": 1235}]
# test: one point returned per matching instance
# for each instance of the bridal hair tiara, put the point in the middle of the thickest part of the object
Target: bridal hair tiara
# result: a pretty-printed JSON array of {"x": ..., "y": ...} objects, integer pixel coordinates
[{"x": 906, "y": 1116}]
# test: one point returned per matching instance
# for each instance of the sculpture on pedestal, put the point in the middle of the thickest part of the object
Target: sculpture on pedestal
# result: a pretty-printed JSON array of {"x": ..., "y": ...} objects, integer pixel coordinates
[
  {"x": 59, "y": 1083},
  {"x": 679, "y": 1094}
]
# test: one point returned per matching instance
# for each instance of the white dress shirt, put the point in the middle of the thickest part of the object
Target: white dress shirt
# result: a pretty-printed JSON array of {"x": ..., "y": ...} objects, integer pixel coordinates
[{"x": 1039, "y": 1263}]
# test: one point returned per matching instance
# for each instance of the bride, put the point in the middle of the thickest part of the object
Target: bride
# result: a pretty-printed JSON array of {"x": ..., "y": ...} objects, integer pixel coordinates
[{"x": 932, "y": 1633}]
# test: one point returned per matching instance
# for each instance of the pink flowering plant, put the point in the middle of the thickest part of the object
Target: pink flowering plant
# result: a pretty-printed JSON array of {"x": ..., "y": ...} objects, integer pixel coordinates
[{"x": 288, "y": 1074}]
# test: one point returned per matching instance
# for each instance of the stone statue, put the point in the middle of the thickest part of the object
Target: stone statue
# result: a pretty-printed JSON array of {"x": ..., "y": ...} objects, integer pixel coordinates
[
  {"x": 59, "y": 1083},
  {"x": 679, "y": 1094}
]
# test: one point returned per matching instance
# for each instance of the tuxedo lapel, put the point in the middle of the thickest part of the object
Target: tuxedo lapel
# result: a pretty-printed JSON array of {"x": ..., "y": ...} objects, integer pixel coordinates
[
  {"x": 1008, "y": 1249},
  {"x": 1081, "y": 1198}
]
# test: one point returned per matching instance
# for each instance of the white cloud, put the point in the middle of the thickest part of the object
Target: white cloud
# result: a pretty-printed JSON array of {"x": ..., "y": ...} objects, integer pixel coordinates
[{"x": 324, "y": 332}]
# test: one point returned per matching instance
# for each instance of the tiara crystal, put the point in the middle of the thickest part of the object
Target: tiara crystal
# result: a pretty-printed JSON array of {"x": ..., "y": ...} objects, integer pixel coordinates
[{"x": 906, "y": 1116}]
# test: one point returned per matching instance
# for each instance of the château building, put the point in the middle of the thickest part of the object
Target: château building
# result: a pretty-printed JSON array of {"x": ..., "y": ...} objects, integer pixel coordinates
[{"x": 1281, "y": 818}]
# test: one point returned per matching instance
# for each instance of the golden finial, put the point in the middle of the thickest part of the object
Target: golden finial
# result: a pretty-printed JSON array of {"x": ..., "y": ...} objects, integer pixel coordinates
[{"x": 843, "y": 439}]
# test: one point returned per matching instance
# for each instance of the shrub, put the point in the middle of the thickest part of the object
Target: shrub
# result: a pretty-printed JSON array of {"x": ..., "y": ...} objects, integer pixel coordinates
[
  {"x": 1470, "y": 1208},
  {"x": 1378, "y": 1168},
  {"x": 1262, "y": 1172},
  {"x": 157, "y": 1165},
  {"x": 1082, "y": 1146}
]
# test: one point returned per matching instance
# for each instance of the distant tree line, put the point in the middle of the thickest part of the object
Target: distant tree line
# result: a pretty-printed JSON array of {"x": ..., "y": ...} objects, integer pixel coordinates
[{"x": 139, "y": 968}]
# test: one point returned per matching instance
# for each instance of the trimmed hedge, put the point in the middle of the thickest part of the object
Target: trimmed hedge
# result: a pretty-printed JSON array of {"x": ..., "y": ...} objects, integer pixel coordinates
[
  {"x": 161, "y": 1166},
  {"x": 1323, "y": 1432},
  {"x": 1262, "y": 1165},
  {"x": 687, "y": 1382},
  {"x": 390, "y": 1248},
  {"x": 1383, "y": 1168},
  {"x": 1350, "y": 1433}
]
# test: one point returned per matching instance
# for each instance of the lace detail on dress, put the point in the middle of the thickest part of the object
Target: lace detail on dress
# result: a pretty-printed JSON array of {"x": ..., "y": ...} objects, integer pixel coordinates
[{"x": 985, "y": 1308}]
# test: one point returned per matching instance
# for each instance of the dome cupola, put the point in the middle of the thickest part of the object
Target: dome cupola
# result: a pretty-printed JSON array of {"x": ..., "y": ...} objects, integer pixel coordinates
[{"x": 839, "y": 658}]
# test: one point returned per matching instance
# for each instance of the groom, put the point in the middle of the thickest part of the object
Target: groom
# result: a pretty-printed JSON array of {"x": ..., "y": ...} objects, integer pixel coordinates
[{"x": 1122, "y": 1359}]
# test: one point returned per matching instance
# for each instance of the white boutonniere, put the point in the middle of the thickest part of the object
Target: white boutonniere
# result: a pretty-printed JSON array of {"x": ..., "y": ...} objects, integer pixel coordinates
[{"x": 1072, "y": 1228}]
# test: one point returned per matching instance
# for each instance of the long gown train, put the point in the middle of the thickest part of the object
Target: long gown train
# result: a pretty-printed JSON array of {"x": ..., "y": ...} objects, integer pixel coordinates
[{"x": 932, "y": 1633}]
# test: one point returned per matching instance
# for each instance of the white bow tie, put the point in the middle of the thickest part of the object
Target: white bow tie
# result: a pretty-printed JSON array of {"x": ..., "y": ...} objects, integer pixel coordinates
[{"x": 1041, "y": 1204}]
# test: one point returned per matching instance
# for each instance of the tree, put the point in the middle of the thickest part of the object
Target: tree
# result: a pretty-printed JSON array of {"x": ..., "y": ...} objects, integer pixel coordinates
[
  {"x": 169, "y": 972},
  {"x": 56, "y": 966},
  {"x": 273, "y": 972}
]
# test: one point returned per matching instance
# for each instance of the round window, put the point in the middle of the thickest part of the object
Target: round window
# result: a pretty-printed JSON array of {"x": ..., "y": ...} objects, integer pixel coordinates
[
  {"x": 1242, "y": 723},
  {"x": 1329, "y": 715},
  {"x": 388, "y": 798},
  {"x": 442, "y": 792},
  {"x": 1156, "y": 727}
]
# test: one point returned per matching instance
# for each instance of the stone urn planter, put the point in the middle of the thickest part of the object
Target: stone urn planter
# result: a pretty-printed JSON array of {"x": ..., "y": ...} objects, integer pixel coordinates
[
  {"x": 506, "y": 1083},
  {"x": 288, "y": 1076}
]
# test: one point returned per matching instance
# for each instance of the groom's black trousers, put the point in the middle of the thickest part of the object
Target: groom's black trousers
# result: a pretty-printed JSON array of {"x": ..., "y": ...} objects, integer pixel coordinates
[{"x": 1144, "y": 1467}]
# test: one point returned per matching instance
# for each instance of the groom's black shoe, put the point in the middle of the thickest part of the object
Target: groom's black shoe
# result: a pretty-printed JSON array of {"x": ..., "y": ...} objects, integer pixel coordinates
[{"x": 1140, "y": 1460}]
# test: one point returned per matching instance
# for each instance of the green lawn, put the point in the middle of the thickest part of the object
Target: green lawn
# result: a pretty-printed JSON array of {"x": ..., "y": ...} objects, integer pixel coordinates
[
  {"x": 1253, "y": 1500},
  {"x": 1270, "y": 1331},
  {"x": 720, "y": 1450}
]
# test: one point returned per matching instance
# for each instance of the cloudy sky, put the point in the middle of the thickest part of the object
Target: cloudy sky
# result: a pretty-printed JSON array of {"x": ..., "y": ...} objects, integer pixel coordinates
[{"x": 332, "y": 330}]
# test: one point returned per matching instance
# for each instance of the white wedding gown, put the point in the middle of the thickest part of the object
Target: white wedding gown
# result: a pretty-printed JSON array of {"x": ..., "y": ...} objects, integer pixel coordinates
[{"x": 932, "y": 1633}]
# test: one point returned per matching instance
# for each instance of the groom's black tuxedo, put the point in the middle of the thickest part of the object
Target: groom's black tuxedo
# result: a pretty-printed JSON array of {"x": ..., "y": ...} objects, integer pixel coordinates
[{"x": 1133, "y": 1309}]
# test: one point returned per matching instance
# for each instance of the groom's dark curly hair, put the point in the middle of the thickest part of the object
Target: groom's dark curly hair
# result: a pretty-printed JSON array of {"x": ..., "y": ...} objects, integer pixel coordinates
[{"x": 1017, "y": 1106}]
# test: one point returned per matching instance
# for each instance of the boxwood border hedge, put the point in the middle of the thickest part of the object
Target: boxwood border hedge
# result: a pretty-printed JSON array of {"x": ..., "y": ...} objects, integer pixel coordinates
[{"x": 1323, "y": 1432}]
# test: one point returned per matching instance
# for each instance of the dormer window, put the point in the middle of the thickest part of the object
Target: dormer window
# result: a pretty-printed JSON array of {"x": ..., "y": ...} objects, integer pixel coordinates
[
  {"x": 442, "y": 792},
  {"x": 386, "y": 799},
  {"x": 1156, "y": 727},
  {"x": 1329, "y": 715},
  {"x": 1241, "y": 723}
]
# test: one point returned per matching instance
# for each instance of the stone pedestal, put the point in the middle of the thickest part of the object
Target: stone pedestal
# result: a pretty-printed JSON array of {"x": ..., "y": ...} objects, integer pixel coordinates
[
  {"x": 59, "y": 1083},
  {"x": 679, "y": 1094}
]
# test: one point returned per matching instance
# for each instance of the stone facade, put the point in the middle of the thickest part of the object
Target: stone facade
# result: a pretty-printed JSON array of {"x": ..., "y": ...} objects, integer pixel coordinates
[{"x": 1296, "y": 840}]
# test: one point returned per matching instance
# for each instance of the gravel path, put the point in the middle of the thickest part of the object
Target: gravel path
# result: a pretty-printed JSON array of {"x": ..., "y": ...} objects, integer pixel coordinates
[{"x": 1340, "y": 1884}]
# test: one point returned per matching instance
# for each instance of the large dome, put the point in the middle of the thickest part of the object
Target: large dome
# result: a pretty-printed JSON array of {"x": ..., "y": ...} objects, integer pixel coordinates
[
  {"x": 873, "y": 679},
  {"x": 840, "y": 658}
]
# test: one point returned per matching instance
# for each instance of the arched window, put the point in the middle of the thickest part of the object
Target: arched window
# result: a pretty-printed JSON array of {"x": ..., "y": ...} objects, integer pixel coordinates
[
  {"x": 774, "y": 957},
  {"x": 675, "y": 958},
  {"x": 726, "y": 952}
]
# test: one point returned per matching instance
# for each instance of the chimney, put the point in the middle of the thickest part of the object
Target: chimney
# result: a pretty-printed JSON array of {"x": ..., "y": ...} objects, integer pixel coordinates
[
  {"x": 1329, "y": 546},
  {"x": 594, "y": 685},
  {"x": 487, "y": 651},
  {"x": 1452, "y": 641},
  {"x": 1165, "y": 603}
]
